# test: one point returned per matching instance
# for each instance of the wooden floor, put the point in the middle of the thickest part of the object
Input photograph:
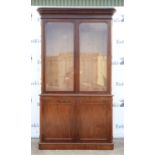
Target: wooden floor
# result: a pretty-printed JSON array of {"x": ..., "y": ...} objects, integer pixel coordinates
[{"x": 118, "y": 150}]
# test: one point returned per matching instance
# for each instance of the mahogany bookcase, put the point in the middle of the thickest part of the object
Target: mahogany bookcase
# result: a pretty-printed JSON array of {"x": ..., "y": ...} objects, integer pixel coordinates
[{"x": 76, "y": 99}]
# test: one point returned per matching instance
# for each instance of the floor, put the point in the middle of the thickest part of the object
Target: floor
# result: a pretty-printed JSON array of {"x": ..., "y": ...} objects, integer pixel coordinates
[{"x": 118, "y": 150}]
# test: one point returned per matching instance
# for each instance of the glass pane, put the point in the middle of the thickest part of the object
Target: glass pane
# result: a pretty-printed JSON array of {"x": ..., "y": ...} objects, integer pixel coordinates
[
  {"x": 59, "y": 57},
  {"x": 93, "y": 57}
]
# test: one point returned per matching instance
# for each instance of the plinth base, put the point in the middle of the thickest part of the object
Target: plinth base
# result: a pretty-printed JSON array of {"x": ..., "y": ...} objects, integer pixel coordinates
[{"x": 76, "y": 146}]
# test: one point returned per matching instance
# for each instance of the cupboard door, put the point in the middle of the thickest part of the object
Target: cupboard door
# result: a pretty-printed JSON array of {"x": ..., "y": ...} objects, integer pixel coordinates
[
  {"x": 93, "y": 56},
  {"x": 59, "y": 57},
  {"x": 94, "y": 119},
  {"x": 57, "y": 115}
]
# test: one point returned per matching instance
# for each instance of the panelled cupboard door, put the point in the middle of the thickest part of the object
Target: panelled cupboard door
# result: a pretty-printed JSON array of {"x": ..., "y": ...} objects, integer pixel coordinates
[
  {"x": 57, "y": 119},
  {"x": 93, "y": 119}
]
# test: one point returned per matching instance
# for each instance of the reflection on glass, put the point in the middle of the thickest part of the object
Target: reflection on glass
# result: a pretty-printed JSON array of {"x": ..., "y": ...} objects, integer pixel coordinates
[
  {"x": 93, "y": 57},
  {"x": 59, "y": 57}
]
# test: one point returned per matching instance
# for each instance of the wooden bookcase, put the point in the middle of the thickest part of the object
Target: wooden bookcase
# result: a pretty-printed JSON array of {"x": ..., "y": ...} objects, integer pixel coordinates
[{"x": 76, "y": 99}]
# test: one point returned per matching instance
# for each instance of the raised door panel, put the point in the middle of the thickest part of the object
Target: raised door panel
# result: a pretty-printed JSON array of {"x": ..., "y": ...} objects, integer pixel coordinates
[
  {"x": 57, "y": 116},
  {"x": 94, "y": 119}
]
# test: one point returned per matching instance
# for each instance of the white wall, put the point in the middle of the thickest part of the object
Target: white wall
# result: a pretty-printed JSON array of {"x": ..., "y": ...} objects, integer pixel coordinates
[{"x": 117, "y": 71}]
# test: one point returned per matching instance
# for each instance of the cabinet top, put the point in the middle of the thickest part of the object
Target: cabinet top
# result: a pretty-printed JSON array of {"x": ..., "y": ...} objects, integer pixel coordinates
[{"x": 76, "y": 11}]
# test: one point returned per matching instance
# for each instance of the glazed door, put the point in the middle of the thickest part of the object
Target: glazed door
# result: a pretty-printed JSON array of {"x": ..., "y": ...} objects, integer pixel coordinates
[
  {"x": 59, "y": 56},
  {"x": 93, "y": 56}
]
